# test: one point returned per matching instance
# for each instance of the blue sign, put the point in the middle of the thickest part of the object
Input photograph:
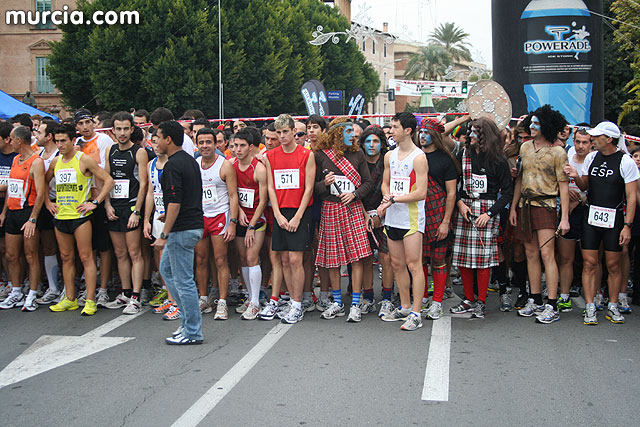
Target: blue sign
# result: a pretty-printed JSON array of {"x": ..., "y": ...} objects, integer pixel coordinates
[{"x": 334, "y": 95}]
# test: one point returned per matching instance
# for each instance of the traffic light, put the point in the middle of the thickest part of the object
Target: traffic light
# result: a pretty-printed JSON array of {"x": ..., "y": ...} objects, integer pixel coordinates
[
  {"x": 464, "y": 87},
  {"x": 392, "y": 94}
]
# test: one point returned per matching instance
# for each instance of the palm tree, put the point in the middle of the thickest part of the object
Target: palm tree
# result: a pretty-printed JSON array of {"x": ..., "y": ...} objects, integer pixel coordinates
[
  {"x": 454, "y": 41},
  {"x": 428, "y": 63}
]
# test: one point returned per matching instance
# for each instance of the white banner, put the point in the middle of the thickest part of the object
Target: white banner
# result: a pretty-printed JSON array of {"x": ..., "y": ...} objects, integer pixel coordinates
[{"x": 438, "y": 89}]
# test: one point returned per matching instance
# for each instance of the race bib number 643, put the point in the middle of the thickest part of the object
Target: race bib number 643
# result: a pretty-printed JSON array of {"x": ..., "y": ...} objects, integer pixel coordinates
[{"x": 602, "y": 217}]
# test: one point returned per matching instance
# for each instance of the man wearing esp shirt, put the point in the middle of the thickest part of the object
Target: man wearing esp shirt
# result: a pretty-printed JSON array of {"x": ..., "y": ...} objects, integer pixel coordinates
[{"x": 291, "y": 173}]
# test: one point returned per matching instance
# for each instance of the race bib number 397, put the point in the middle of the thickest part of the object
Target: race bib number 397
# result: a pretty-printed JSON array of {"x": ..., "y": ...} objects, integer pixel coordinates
[
  {"x": 286, "y": 179},
  {"x": 602, "y": 217},
  {"x": 66, "y": 176}
]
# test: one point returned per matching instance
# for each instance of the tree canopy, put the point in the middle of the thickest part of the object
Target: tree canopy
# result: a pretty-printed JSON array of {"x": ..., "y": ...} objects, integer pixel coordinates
[
  {"x": 627, "y": 39},
  {"x": 454, "y": 41},
  {"x": 171, "y": 58}
]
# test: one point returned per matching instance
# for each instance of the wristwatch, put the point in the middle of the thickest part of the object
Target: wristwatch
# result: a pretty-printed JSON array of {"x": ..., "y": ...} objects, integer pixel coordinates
[
  {"x": 250, "y": 227},
  {"x": 95, "y": 202},
  {"x": 137, "y": 213},
  {"x": 392, "y": 199},
  {"x": 33, "y": 220},
  {"x": 629, "y": 224},
  {"x": 233, "y": 220},
  {"x": 163, "y": 236}
]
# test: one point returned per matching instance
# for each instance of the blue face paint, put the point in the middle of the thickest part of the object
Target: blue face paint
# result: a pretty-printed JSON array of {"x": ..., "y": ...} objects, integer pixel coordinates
[
  {"x": 369, "y": 146},
  {"x": 535, "y": 124},
  {"x": 473, "y": 134},
  {"x": 425, "y": 137},
  {"x": 347, "y": 134}
]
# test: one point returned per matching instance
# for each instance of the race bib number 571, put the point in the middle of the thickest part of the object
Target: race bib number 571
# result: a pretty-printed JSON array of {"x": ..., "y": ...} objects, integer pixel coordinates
[{"x": 286, "y": 179}]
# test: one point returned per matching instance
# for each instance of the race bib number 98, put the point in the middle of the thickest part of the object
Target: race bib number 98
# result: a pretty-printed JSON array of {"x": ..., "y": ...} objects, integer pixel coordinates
[
  {"x": 400, "y": 185},
  {"x": 344, "y": 185},
  {"x": 602, "y": 217},
  {"x": 286, "y": 179}
]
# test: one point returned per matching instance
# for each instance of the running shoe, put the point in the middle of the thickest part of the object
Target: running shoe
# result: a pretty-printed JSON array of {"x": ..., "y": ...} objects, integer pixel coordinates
[
  {"x": 134, "y": 307},
  {"x": 48, "y": 298},
  {"x": 386, "y": 307},
  {"x": 30, "y": 304},
  {"x": 234, "y": 287},
  {"x": 82, "y": 296},
  {"x": 65, "y": 305},
  {"x": 425, "y": 306},
  {"x": 367, "y": 306},
  {"x": 413, "y": 322},
  {"x": 251, "y": 312},
  {"x": 334, "y": 310},
  {"x": 614, "y": 316},
  {"x": 90, "y": 308},
  {"x": 448, "y": 292},
  {"x": 494, "y": 286},
  {"x": 283, "y": 308},
  {"x": 120, "y": 301},
  {"x": 222, "y": 313},
  {"x": 479, "y": 310},
  {"x": 530, "y": 309},
  {"x": 268, "y": 312},
  {"x": 4, "y": 290},
  {"x": 548, "y": 315},
  {"x": 13, "y": 300},
  {"x": 435, "y": 311},
  {"x": 521, "y": 301},
  {"x": 181, "y": 340},
  {"x": 505, "y": 303},
  {"x": 323, "y": 304},
  {"x": 623, "y": 305},
  {"x": 397, "y": 314},
  {"x": 293, "y": 316},
  {"x": 159, "y": 298},
  {"x": 145, "y": 296},
  {"x": 164, "y": 308},
  {"x": 172, "y": 314},
  {"x": 590, "y": 316},
  {"x": 599, "y": 302},
  {"x": 465, "y": 306},
  {"x": 354, "y": 314},
  {"x": 205, "y": 307},
  {"x": 62, "y": 295},
  {"x": 308, "y": 305},
  {"x": 564, "y": 306}
]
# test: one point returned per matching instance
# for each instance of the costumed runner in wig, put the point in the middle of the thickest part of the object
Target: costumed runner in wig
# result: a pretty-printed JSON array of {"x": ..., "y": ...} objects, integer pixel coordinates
[
  {"x": 342, "y": 180},
  {"x": 485, "y": 174}
]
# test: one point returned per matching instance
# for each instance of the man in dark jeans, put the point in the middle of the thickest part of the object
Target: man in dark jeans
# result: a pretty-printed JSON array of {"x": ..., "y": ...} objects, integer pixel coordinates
[{"x": 183, "y": 228}]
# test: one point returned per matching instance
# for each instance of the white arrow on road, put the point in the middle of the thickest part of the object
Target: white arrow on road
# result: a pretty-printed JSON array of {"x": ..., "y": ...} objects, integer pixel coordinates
[{"x": 52, "y": 351}]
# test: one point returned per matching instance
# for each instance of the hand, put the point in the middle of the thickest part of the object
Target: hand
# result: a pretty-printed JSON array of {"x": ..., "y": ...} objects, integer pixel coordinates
[
  {"x": 250, "y": 238},
  {"x": 2, "y": 217},
  {"x": 159, "y": 243},
  {"x": 368, "y": 222},
  {"x": 347, "y": 198},
  {"x": 133, "y": 221},
  {"x": 51, "y": 207},
  {"x": 230, "y": 234},
  {"x": 329, "y": 179},
  {"x": 83, "y": 208},
  {"x": 625, "y": 236},
  {"x": 377, "y": 222},
  {"x": 513, "y": 217},
  {"x": 282, "y": 221},
  {"x": 443, "y": 231},
  {"x": 146, "y": 229},
  {"x": 482, "y": 220},
  {"x": 29, "y": 229},
  {"x": 514, "y": 172},
  {"x": 464, "y": 210},
  {"x": 385, "y": 199},
  {"x": 570, "y": 171},
  {"x": 382, "y": 209},
  {"x": 574, "y": 196},
  {"x": 293, "y": 224},
  {"x": 162, "y": 217},
  {"x": 111, "y": 213},
  {"x": 564, "y": 227},
  {"x": 242, "y": 218}
]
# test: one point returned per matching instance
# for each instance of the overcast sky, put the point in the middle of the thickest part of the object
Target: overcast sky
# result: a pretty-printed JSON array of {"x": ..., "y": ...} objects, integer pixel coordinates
[{"x": 415, "y": 19}]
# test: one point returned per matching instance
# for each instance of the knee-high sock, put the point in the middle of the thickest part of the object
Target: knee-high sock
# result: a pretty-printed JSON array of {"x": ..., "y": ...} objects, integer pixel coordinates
[
  {"x": 520, "y": 276},
  {"x": 439, "y": 282},
  {"x": 425, "y": 268},
  {"x": 52, "y": 268},
  {"x": 247, "y": 279},
  {"x": 467, "y": 282},
  {"x": 255, "y": 277},
  {"x": 484, "y": 275}
]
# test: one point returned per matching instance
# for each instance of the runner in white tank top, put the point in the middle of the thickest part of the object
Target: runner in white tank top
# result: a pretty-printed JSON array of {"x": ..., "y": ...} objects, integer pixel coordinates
[
  {"x": 215, "y": 195},
  {"x": 405, "y": 216}
]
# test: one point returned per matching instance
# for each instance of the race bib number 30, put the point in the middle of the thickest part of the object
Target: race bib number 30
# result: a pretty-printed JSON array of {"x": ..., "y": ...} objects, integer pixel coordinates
[
  {"x": 400, "y": 185},
  {"x": 209, "y": 194},
  {"x": 602, "y": 217},
  {"x": 286, "y": 179},
  {"x": 120, "y": 189},
  {"x": 344, "y": 184},
  {"x": 16, "y": 188},
  {"x": 479, "y": 183},
  {"x": 66, "y": 176},
  {"x": 246, "y": 197}
]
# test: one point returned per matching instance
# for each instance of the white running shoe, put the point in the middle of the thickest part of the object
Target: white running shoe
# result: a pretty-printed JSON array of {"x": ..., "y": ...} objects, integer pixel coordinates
[
  {"x": 205, "y": 307},
  {"x": 334, "y": 310},
  {"x": 13, "y": 300},
  {"x": 30, "y": 304},
  {"x": 221, "y": 311},
  {"x": 121, "y": 301},
  {"x": 102, "y": 298},
  {"x": 133, "y": 307},
  {"x": 251, "y": 312},
  {"x": 49, "y": 297},
  {"x": 354, "y": 314},
  {"x": 82, "y": 297}
]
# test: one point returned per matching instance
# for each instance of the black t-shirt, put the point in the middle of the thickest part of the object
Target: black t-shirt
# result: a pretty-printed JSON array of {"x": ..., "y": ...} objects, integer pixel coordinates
[
  {"x": 182, "y": 183},
  {"x": 441, "y": 168},
  {"x": 124, "y": 171},
  {"x": 6, "y": 160}
]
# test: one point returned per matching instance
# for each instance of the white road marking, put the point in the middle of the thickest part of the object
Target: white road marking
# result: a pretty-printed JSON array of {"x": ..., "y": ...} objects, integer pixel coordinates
[
  {"x": 199, "y": 410},
  {"x": 436, "y": 377},
  {"x": 52, "y": 351}
]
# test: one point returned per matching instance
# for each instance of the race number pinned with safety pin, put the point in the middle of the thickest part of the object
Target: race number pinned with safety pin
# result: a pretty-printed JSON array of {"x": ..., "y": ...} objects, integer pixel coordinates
[{"x": 601, "y": 217}]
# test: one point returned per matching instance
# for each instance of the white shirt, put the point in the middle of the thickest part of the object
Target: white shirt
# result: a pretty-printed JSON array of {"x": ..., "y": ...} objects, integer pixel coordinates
[{"x": 188, "y": 146}]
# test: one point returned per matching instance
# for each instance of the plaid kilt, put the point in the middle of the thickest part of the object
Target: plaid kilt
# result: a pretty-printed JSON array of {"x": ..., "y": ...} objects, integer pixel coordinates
[
  {"x": 468, "y": 251},
  {"x": 435, "y": 206},
  {"x": 539, "y": 219},
  {"x": 342, "y": 238}
]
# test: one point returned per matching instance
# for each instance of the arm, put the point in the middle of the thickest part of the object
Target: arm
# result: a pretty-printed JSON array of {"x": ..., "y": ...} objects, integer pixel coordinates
[
  {"x": 564, "y": 207},
  {"x": 37, "y": 173},
  {"x": 228, "y": 175},
  {"x": 513, "y": 216},
  {"x": 386, "y": 183},
  {"x": 449, "y": 127},
  {"x": 149, "y": 208},
  {"x": 322, "y": 185},
  {"x": 171, "y": 215},
  {"x": 87, "y": 164},
  {"x": 52, "y": 207},
  {"x": 277, "y": 215},
  {"x": 443, "y": 229},
  {"x": 367, "y": 183},
  {"x": 260, "y": 176},
  {"x": 142, "y": 159},
  {"x": 111, "y": 213},
  {"x": 309, "y": 179},
  {"x": 631, "y": 189}
]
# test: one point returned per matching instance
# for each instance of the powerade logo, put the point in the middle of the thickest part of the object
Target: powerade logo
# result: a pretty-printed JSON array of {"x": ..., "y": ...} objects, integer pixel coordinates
[{"x": 576, "y": 44}]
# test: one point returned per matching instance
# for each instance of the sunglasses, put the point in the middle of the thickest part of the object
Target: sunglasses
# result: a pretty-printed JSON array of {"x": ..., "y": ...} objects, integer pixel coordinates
[{"x": 299, "y": 134}]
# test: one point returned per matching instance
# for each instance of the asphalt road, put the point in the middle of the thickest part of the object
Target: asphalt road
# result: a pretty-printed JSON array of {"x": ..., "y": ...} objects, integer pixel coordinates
[{"x": 503, "y": 370}]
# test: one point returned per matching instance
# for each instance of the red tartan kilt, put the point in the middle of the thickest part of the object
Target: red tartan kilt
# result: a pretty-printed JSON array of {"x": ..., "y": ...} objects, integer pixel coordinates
[
  {"x": 342, "y": 238},
  {"x": 435, "y": 206}
]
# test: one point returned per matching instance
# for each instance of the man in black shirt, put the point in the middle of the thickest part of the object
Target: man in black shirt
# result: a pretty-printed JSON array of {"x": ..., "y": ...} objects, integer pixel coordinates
[{"x": 183, "y": 228}]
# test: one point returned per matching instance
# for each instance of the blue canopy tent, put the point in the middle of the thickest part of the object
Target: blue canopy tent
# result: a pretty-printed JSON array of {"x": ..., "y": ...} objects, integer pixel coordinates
[{"x": 9, "y": 107}]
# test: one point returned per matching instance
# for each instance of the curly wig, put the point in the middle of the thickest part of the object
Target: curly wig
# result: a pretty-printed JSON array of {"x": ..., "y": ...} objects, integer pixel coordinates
[
  {"x": 333, "y": 138},
  {"x": 551, "y": 122}
]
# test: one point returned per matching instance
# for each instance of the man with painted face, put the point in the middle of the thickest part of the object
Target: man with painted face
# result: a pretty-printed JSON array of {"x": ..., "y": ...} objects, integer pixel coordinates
[
  {"x": 439, "y": 204},
  {"x": 404, "y": 188},
  {"x": 610, "y": 176},
  {"x": 374, "y": 143},
  {"x": 342, "y": 179},
  {"x": 536, "y": 190}
]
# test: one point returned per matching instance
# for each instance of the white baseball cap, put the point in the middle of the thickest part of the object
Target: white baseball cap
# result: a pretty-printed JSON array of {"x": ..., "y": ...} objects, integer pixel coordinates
[{"x": 605, "y": 128}]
